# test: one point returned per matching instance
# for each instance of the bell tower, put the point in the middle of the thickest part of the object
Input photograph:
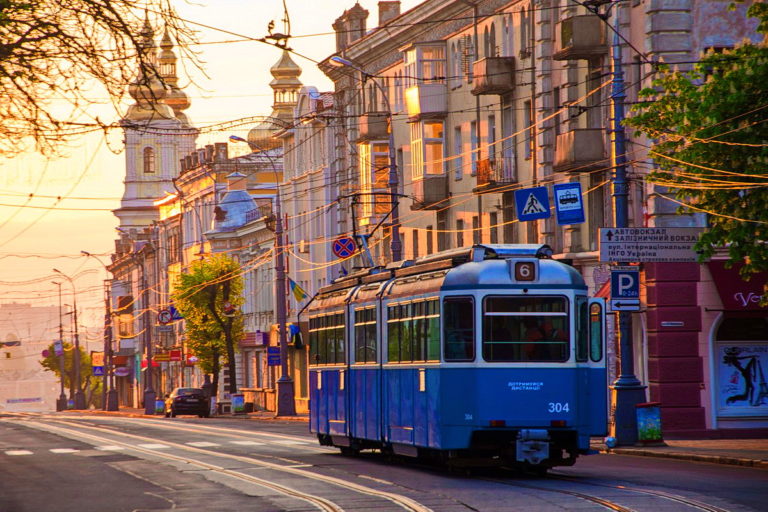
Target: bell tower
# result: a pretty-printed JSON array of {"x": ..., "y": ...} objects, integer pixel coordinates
[{"x": 157, "y": 133}]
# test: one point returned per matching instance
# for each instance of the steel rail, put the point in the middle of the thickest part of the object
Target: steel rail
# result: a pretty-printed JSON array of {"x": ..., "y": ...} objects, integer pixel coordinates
[{"x": 402, "y": 501}]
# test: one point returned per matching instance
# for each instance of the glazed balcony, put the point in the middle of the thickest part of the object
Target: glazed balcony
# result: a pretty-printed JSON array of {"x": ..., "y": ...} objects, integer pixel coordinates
[{"x": 426, "y": 100}]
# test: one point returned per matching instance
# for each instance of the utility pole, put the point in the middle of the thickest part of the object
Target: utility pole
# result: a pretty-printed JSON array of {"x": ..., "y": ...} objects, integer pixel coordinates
[
  {"x": 79, "y": 396},
  {"x": 61, "y": 403},
  {"x": 628, "y": 390},
  {"x": 149, "y": 391}
]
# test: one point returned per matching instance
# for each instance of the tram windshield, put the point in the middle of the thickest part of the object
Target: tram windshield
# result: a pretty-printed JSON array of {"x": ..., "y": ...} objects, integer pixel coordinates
[{"x": 525, "y": 329}]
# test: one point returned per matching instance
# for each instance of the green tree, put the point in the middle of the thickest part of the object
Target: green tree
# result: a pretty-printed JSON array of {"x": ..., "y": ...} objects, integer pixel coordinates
[
  {"x": 209, "y": 296},
  {"x": 710, "y": 137},
  {"x": 53, "y": 53},
  {"x": 90, "y": 386}
]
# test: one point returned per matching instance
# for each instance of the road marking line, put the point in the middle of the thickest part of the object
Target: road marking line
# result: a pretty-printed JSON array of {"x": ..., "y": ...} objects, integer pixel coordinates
[
  {"x": 18, "y": 452},
  {"x": 110, "y": 448},
  {"x": 63, "y": 450},
  {"x": 289, "y": 442},
  {"x": 154, "y": 446},
  {"x": 202, "y": 444},
  {"x": 247, "y": 443}
]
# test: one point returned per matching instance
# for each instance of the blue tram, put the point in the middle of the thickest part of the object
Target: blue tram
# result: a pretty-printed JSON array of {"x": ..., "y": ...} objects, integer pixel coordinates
[{"x": 486, "y": 355}]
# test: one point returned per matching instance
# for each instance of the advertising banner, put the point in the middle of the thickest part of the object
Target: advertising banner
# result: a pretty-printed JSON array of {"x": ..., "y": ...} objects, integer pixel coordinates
[{"x": 742, "y": 389}]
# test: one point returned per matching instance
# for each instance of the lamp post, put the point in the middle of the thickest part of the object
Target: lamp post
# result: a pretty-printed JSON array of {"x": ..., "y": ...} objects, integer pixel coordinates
[
  {"x": 79, "y": 396},
  {"x": 61, "y": 403},
  {"x": 286, "y": 404},
  {"x": 396, "y": 246},
  {"x": 109, "y": 398}
]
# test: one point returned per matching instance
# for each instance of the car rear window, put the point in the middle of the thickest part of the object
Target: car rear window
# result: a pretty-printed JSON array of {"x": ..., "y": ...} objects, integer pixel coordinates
[{"x": 189, "y": 391}]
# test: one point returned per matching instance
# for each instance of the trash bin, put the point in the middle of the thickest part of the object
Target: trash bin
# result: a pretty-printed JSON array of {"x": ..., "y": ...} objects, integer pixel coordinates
[
  {"x": 238, "y": 403},
  {"x": 649, "y": 423}
]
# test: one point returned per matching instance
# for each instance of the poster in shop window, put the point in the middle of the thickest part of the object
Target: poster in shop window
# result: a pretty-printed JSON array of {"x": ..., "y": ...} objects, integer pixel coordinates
[{"x": 743, "y": 384}]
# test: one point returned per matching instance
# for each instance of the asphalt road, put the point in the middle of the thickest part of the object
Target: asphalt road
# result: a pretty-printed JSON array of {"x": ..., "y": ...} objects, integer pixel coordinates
[{"x": 89, "y": 463}]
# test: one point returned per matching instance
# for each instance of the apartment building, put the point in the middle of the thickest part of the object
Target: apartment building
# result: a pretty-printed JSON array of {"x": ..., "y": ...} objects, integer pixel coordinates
[{"x": 480, "y": 99}]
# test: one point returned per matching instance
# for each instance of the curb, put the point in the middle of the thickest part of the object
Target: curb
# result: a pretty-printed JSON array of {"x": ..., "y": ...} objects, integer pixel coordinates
[
  {"x": 219, "y": 416},
  {"x": 712, "y": 459}
]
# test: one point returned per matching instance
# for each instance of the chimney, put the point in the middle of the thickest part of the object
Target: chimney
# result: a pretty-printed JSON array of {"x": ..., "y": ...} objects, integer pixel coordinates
[
  {"x": 201, "y": 156},
  {"x": 350, "y": 26},
  {"x": 388, "y": 10},
  {"x": 209, "y": 153},
  {"x": 221, "y": 152},
  {"x": 183, "y": 164},
  {"x": 236, "y": 181}
]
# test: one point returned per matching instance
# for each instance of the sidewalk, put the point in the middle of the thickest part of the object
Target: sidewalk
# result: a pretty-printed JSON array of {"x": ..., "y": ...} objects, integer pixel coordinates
[{"x": 738, "y": 452}]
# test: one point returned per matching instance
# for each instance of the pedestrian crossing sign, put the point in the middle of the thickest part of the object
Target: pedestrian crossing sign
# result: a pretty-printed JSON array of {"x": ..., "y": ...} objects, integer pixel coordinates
[{"x": 532, "y": 203}]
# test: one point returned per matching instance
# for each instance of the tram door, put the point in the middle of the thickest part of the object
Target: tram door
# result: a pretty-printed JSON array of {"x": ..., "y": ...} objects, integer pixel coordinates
[{"x": 598, "y": 377}]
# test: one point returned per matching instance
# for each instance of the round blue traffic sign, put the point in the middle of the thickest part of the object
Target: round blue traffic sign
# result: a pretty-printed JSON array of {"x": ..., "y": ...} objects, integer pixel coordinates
[{"x": 344, "y": 247}]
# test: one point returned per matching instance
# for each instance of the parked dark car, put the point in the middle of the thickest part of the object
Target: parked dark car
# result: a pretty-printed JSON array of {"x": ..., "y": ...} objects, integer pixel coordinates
[{"x": 187, "y": 401}]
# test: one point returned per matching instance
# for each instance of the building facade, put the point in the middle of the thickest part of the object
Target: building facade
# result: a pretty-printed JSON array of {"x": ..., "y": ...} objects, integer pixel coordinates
[{"x": 485, "y": 98}]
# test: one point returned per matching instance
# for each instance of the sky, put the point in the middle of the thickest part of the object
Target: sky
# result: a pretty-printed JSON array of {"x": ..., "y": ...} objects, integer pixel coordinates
[{"x": 40, "y": 233}]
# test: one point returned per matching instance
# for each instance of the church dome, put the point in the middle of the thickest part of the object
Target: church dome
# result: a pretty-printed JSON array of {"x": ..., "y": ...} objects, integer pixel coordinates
[{"x": 261, "y": 136}]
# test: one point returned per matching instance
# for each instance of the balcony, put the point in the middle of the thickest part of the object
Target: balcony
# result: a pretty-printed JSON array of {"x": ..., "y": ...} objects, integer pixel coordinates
[
  {"x": 430, "y": 192},
  {"x": 426, "y": 100},
  {"x": 373, "y": 126},
  {"x": 580, "y": 37},
  {"x": 493, "y": 75},
  {"x": 493, "y": 175},
  {"x": 580, "y": 150}
]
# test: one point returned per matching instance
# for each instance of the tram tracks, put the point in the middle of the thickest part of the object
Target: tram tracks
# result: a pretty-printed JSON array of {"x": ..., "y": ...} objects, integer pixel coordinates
[
  {"x": 689, "y": 503},
  {"x": 321, "y": 503}
]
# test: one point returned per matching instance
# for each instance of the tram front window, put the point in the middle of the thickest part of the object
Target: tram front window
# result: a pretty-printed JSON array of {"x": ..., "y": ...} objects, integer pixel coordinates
[{"x": 525, "y": 329}]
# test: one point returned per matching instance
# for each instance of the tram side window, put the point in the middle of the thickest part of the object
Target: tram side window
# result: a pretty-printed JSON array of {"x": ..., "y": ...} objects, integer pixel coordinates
[
  {"x": 596, "y": 332},
  {"x": 582, "y": 335},
  {"x": 525, "y": 329},
  {"x": 365, "y": 335},
  {"x": 326, "y": 339},
  {"x": 412, "y": 332},
  {"x": 459, "y": 329}
]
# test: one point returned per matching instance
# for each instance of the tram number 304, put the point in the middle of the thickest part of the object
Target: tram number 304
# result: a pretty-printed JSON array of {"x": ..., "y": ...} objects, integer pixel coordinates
[{"x": 558, "y": 407}]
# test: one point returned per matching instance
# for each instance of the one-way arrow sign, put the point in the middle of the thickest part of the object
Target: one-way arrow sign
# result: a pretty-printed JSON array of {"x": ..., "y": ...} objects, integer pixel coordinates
[{"x": 625, "y": 305}]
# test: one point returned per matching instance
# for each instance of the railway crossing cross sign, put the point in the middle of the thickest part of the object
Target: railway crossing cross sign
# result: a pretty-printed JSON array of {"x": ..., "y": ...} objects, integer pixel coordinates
[
  {"x": 569, "y": 206},
  {"x": 625, "y": 289},
  {"x": 532, "y": 203},
  {"x": 344, "y": 247}
]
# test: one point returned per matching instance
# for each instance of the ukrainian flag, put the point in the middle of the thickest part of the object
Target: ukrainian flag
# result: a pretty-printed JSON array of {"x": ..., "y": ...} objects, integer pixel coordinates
[{"x": 298, "y": 292}]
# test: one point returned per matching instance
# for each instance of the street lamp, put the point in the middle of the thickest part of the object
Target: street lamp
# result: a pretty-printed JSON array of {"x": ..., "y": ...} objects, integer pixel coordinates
[
  {"x": 61, "y": 403},
  {"x": 109, "y": 398},
  {"x": 286, "y": 405},
  {"x": 394, "y": 179},
  {"x": 79, "y": 396}
]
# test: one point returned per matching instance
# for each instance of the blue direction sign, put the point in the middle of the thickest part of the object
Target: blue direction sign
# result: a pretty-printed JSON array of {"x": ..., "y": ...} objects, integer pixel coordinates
[
  {"x": 532, "y": 203},
  {"x": 344, "y": 247},
  {"x": 569, "y": 206},
  {"x": 273, "y": 356},
  {"x": 625, "y": 289},
  {"x": 98, "y": 371}
]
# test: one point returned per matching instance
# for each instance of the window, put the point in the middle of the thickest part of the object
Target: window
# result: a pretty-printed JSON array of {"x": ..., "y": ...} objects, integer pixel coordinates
[
  {"x": 528, "y": 122},
  {"x": 491, "y": 52},
  {"x": 492, "y": 149},
  {"x": 427, "y": 156},
  {"x": 149, "y": 160},
  {"x": 455, "y": 79},
  {"x": 473, "y": 145},
  {"x": 415, "y": 243},
  {"x": 476, "y": 229},
  {"x": 365, "y": 335},
  {"x": 413, "y": 331},
  {"x": 459, "y": 329},
  {"x": 459, "y": 233},
  {"x": 326, "y": 339},
  {"x": 494, "y": 220},
  {"x": 524, "y": 329},
  {"x": 442, "y": 230},
  {"x": 430, "y": 243},
  {"x": 374, "y": 177},
  {"x": 458, "y": 157}
]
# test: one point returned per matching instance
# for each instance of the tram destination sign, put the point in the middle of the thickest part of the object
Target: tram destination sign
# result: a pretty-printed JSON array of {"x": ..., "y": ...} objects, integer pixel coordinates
[{"x": 647, "y": 245}]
